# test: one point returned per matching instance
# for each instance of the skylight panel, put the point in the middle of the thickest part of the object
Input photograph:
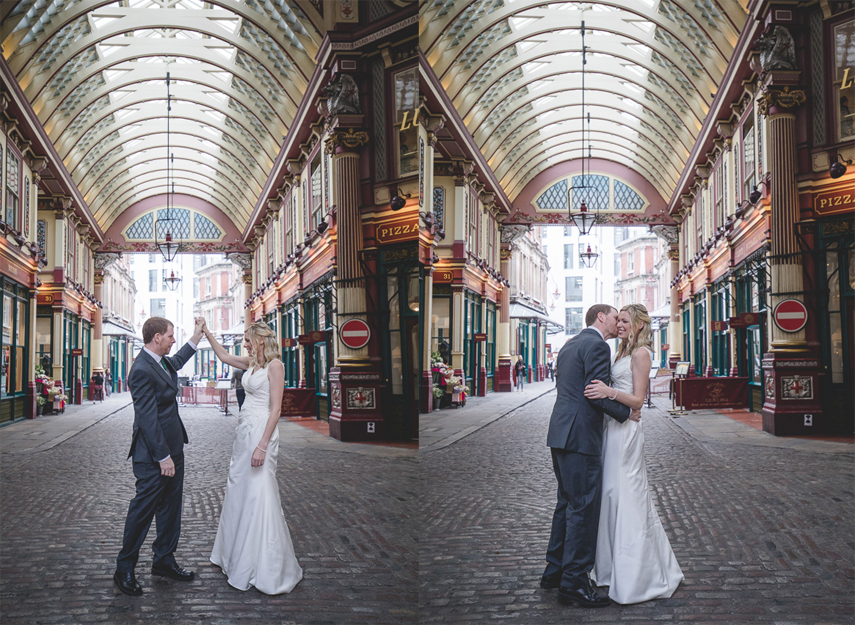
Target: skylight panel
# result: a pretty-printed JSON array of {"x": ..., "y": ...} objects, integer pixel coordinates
[
  {"x": 539, "y": 84},
  {"x": 534, "y": 66},
  {"x": 643, "y": 25},
  {"x": 543, "y": 100},
  {"x": 108, "y": 49},
  {"x": 518, "y": 22},
  {"x": 124, "y": 113},
  {"x": 632, "y": 87},
  {"x": 636, "y": 69},
  {"x": 525, "y": 46}
]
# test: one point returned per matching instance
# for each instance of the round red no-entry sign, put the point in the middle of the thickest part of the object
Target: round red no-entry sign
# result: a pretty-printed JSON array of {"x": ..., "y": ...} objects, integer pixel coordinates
[
  {"x": 355, "y": 333},
  {"x": 790, "y": 315}
]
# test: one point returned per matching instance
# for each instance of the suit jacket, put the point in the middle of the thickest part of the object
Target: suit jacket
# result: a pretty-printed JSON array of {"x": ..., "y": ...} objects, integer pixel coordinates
[
  {"x": 576, "y": 423},
  {"x": 158, "y": 430}
]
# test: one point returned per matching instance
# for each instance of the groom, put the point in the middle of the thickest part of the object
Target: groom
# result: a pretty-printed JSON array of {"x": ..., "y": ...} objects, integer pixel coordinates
[
  {"x": 576, "y": 441},
  {"x": 157, "y": 448}
]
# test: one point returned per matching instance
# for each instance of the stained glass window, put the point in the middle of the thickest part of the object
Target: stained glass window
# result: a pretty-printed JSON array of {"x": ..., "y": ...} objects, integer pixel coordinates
[
  {"x": 439, "y": 205},
  {"x": 204, "y": 228},
  {"x": 593, "y": 189},
  {"x": 141, "y": 228},
  {"x": 554, "y": 198},
  {"x": 180, "y": 226},
  {"x": 626, "y": 199}
]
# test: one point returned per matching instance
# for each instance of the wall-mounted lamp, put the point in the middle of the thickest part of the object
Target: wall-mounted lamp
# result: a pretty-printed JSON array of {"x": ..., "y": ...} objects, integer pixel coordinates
[
  {"x": 756, "y": 193},
  {"x": 399, "y": 200},
  {"x": 838, "y": 167}
]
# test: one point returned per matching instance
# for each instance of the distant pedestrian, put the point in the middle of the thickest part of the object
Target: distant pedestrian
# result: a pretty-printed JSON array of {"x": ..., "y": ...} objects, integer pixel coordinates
[
  {"x": 237, "y": 375},
  {"x": 521, "y": 369},
  {"x": 550, "y": 367}
]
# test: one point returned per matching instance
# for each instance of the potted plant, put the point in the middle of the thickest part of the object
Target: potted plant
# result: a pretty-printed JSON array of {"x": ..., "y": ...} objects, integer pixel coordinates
[
  {"x": 438, "y": 394},
  {"x": 40, "y": 405}
]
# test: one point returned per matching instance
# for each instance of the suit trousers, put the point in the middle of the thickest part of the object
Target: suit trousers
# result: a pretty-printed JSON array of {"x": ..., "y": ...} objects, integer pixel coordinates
[
  {"x": 573, "y": 541},
  {"x": 157, "y": 497}
]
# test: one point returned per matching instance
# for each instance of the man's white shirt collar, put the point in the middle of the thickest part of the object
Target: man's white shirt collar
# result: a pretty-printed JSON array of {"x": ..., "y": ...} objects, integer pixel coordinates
[
  {"x": 598, "y": 332},
  {"x": 157, "y": 357}
]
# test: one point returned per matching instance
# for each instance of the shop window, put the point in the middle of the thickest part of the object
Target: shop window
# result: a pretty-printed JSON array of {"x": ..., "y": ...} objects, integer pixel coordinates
[
  {"x": 317, "y": 199},
  {"x": 572, "y": 321},
  {"x": 158, "y": 307},
  {"x": 441, "y": 325},
  {"x": 491, "y": 342},
  {"x": 844, "y": 79},
  {"x": 568, "y": 256},
  {"x": 13, "y": 188},
  {"x": 406, "y": 95},
  {"x": 573, "y": 288},
  {"x": 749, "y": 163}
]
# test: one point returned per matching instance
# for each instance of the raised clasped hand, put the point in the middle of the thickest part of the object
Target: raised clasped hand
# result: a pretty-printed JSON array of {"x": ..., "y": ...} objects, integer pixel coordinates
[{"x": 598, "y": 390}]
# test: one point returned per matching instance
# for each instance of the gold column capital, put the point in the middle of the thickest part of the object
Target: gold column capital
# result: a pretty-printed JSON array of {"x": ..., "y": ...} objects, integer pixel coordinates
[
  {"x": 785, "y": 98},
  {"x": 350, "y": 139}
]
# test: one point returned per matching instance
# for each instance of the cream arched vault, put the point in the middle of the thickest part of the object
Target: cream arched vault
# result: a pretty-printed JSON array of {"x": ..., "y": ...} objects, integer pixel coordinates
[
  {"x": 512, "y": 71},
  {"x": 95, "y": 71}
]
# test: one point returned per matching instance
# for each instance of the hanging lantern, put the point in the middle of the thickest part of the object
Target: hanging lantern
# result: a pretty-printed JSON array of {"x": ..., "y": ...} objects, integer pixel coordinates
[
  {"x": 583, "y": 219},
  {"x": 172, "y": 281},
  {"x": 167, "y": 247},
  {"x": 588, "y": 257}
]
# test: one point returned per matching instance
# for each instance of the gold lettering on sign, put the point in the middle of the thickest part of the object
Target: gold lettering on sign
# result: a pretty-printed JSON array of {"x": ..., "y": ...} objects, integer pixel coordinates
[
  {"x": 846, "y": 82},
  {"x": 415, "y": 122}
]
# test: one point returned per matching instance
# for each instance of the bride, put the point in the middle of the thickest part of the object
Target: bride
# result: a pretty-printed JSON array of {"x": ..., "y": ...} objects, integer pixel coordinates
[
  {"x": 634, "y": 557},
  {"x": 253, "y": 545}
]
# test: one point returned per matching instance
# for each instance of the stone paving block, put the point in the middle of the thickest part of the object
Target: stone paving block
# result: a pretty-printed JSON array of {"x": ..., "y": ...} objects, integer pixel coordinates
[
  {"x": 763, "y": 532},
  {"x": 63, "y": 511}
]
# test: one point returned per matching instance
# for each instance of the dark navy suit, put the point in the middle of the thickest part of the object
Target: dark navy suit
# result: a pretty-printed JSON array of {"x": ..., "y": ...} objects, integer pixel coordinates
[
  {"x": 158, "y": 433},
  {"x": 576, "y": 441}
]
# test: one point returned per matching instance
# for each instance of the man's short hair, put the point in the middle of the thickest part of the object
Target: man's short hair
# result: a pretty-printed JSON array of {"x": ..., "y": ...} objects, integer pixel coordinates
[
  {"x": 154, "y": 325},
  {"x": 596, "y": 309}
]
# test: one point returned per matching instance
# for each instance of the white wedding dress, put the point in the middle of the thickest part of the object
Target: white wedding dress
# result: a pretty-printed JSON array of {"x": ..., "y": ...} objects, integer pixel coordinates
[
  {"x": 634, "y": 557},
  {"x": 253, "y": 544}
]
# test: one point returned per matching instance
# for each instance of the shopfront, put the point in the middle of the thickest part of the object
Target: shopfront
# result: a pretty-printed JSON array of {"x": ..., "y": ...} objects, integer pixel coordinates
[
  {"x": 472, "y": 363},
  {"x": 318, "y": 311},
  {"x": 751, "y": 339},
  {"x": 837, "y": 327},
  {"x": 290, "y": 330},
  {"x": 401, "y": 293},
  {"x": 14, "y": 366}
]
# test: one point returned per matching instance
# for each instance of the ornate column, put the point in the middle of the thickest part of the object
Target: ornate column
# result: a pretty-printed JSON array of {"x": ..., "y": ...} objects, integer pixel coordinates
[
  {"x": 503, "y": 381},
  {"x": 733, "y": 332},
  {"x": 355, "y": 383},
  {"x": 61, "y": 211},
  {"x": 791, "y": 368},
  {"x": 708, "y": 371},
  {"x": 98, "y": 348},
  {"x": 426, "y": 389},
  {"x": 675, "y": 322}
]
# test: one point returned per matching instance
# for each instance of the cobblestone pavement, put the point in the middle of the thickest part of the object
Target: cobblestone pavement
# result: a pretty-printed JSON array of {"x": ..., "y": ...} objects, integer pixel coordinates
[
  {"x": 351, "y": 516},
  {"x": 763, "y": 534}
]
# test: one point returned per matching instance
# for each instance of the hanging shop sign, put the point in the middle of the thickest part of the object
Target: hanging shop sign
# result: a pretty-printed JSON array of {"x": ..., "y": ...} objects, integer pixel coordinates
[
  {"x": 744, "y": 320},
  {"x": 837, "y": 201},
  {"x": 396, "y": 232},
  {"x": 77, "y": 351},
  {"x": 719, "y": 326},
  {"x": 790, "y": 315},
  {"x": 318, "y": 336},
  {"x": 480, "y": 336},
  {"x": 289, "y": 342},
  {"x": 355, "y": 333}
]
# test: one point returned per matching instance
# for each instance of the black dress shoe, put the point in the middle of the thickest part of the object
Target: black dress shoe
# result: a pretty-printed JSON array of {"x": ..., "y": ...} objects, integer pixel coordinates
[
  {"x": 127, "y": 583},
  {"x": 584, "y": 596},
  {"x": 172, "y": 571},
  {"x": 550, "y": 583}
]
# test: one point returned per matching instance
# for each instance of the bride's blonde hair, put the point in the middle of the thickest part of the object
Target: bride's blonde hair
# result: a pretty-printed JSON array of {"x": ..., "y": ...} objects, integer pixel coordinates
[
  {"x": 638, "y": 316},
  {"x": 270, "y": 351}
]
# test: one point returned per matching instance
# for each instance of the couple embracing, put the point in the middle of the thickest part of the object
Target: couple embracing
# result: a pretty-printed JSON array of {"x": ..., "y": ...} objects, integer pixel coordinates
[
  {"x": 605, "y": 530},
  {"x": 253, "y": 545}
]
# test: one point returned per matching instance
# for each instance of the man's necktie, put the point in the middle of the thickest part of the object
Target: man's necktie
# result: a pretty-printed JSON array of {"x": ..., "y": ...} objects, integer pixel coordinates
[{"x": 163, "y": 364}]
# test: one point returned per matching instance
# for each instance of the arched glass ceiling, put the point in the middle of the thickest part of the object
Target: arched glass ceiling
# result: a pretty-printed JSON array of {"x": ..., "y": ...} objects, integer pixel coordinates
[
  {"x": 512, "y": 69},
  {"x": 95, "y": 73}
]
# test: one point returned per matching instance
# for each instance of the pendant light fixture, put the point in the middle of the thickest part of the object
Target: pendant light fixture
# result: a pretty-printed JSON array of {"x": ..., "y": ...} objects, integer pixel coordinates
[
  {"x": 166, "y": 245},
  {"x": 583, "y": 219}
]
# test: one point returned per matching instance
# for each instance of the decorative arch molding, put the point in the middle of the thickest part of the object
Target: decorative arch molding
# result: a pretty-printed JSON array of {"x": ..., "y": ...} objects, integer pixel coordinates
[
  {"x": 116, "y": 238},
  {"x": 654, "y": 210}
]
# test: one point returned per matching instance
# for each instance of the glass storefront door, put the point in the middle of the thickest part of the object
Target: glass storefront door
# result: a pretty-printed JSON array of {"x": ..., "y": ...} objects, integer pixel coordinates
[{"x": 14, "y": 365}]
